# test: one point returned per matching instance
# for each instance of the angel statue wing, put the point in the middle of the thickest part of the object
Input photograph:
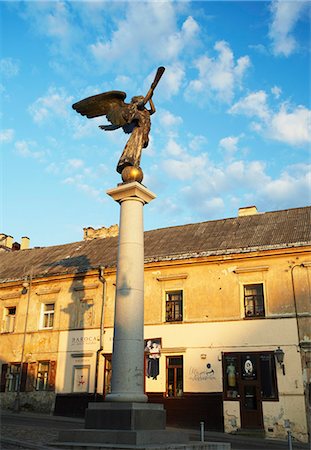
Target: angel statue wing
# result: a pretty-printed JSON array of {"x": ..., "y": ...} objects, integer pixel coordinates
[{"x": 110, "y": 104}]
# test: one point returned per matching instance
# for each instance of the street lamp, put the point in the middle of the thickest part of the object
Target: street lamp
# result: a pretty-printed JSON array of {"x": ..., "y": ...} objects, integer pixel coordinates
[{"x": 279, "y": 356}]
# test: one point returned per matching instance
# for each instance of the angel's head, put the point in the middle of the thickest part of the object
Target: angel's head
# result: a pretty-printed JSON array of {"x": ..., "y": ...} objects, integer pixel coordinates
[{"x": 137, "y": 99}]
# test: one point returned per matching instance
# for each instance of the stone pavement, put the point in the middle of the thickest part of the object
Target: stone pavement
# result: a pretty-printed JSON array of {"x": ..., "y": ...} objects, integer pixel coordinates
[{"x": 25, "y": 430}]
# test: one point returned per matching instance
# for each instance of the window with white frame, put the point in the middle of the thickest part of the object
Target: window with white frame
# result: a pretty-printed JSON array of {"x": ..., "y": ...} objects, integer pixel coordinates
[
  {"x": 12, "y": 378},
  {"x": 9, "y": 319},
  {"x": 43, "y": 376},
  {"x": 254, "y": 300},
  {"x": 47, "y": 315}
]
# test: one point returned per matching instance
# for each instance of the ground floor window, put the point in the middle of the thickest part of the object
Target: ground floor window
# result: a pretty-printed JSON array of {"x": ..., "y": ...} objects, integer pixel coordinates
[
  {"x": 174, "y": 376},
  {"x": 242, "y": 368},
  {"x": 12, "y": 378},
  {"x": 34, "y": 375},
  {"x": 42, "y": 376},
  {"x": 107, "y": 375}
]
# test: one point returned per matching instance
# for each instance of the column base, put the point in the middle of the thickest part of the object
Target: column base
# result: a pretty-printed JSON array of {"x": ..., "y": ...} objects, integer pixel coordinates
[
  {"x": 127, "y": 397},
  {"x": 125, "y": 416},
  {"x": 122, "y": 437}
]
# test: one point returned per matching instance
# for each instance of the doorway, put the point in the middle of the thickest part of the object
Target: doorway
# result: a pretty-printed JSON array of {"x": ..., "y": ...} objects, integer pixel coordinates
[{"x": 250, "y": 378}]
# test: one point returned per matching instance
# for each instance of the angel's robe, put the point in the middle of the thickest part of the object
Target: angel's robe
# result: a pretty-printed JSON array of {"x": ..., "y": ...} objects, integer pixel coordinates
[{"x": 138, "y": 140}]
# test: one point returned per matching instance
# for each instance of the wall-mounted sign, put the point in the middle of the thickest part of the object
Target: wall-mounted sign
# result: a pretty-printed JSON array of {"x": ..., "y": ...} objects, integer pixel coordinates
[{"x": 153, "y": 353}]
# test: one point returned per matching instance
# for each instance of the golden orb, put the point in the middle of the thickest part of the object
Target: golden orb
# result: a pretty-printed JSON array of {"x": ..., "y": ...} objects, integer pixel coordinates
[{"x": 131, "y": 173}]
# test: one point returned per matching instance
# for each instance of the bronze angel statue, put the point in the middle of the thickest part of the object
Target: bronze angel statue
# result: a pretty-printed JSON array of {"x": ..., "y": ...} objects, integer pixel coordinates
[{"x": 134, "y": 118}]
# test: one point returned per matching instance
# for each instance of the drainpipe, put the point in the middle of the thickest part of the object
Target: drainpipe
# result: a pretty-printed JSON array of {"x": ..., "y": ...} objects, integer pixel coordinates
[
  {"x": 101, "y": 330},
  {"x": 26, "y": 285},
  {"x": 300, "y": 347},
  {"x": 295, "y": 300}
]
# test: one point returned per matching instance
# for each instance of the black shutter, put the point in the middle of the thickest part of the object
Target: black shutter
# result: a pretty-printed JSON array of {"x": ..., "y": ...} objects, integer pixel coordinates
[
  {"x": 24, "y": 377},
  {"x": 4, "y": 370}
]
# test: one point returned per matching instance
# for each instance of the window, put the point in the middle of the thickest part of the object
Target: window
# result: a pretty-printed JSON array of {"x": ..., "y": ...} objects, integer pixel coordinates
[
  {"x": 174, "y": 376},
  {"x": 174, "y": 307},
  {"x": 254, "y": 300},
  {"x": 243, "y": 369},
  {"x": 12, "y": 378},
  {"x": 47, "y": 318},
  {"x": 268, "y": 376},
  {"x": 107, "y": 375},
  {"x": 9, "y": 319},
  {"x": 42, "y": 376}
]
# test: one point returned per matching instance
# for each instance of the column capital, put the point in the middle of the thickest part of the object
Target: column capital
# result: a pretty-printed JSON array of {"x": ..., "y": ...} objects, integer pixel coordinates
[{"x": 133, "y": 189}]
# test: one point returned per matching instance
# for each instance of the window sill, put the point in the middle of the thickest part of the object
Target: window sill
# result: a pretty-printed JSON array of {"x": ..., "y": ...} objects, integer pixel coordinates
[
  {"x": 254, "y": 317},
  {"x": 174, "y": 321}
]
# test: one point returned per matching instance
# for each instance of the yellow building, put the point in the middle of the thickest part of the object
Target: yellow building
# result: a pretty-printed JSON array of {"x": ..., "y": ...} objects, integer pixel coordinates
[{"x": 227, "y": 322}]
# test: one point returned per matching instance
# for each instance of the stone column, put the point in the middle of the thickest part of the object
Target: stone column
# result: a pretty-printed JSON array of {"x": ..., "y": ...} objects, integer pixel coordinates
[{"x": 127, "y": 383}]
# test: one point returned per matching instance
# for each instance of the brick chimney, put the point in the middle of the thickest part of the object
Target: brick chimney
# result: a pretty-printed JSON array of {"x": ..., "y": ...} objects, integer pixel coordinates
[{"x": 247, "y": 211}]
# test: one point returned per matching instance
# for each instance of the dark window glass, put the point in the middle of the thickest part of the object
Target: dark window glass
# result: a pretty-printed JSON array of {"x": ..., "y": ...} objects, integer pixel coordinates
[
  {"x": 174, "y": 306},
  {"x": 175, "y": 382},
  {"x": 268, "y": 379},
  {"x": 257, "y": 369},
  {"x": 250, "y": 397},
  {"x": 254, "y": 300},
  {"x": 230, "y": 375}
]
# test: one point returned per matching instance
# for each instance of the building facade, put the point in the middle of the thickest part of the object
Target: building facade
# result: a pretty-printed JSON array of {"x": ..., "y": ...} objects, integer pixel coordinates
[{"x": 227, "y": 323}]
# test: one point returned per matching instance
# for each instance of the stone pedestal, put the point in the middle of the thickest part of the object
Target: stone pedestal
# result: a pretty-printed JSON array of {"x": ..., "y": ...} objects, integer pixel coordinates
[{"x": 125, "y": 416}]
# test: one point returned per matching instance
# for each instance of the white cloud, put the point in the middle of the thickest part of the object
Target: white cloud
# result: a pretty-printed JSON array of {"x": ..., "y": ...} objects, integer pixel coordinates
[
  {"x": 254, "y": 104},
  {"x": 229, "y": 143},
  {"x": 285, "y": 15},
  {"x": 276, "y": 91},
  {"x": 174, "y": 149},
  {"x": 77, "y": 182},
  {"x": 197, "y": 142},
  {"x": 149, "y": 32},
  {"x": 292, "y": 127},
  {"x": 55, "y": 103},
  {"x": 9, "y": 67},
  {"x": 289, "y": 124},
  {"x": 75, "y": 163},
  {"x": 6, "y": 136},
  {"x": 26, "y": 149},
  {"x": 169, "y": 120},
  {"x": 292, "y": 188},
  {"x": 53, "y": 20},
  {"x": 219, "y": 76}
]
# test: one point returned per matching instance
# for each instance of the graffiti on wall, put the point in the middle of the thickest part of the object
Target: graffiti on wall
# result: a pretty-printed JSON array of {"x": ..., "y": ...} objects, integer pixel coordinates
[{"x": 207, "y": 373}]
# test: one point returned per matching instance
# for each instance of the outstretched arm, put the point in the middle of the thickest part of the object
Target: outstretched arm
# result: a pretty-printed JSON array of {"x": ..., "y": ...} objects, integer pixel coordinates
[{"x": 152, "y": 109}]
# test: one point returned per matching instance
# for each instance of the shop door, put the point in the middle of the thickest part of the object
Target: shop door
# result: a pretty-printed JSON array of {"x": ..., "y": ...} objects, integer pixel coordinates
[{"x": 250, "y": 397}]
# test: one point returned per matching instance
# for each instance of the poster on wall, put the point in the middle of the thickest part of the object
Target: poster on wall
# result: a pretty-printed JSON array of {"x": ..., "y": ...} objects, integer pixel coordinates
[
  {"x": 248, "y": 366},
  {"x": 81, "y": 378},
  {"x": 152, "y": 354}
]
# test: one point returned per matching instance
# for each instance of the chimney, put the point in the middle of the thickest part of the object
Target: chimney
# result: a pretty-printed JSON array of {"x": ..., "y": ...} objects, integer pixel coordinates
[
  {"x": 103, "y": 232},
  {"x": 247, "y": 211},
  {"x": 25, "y": 241},
  {"x": 9, "y": 242}
]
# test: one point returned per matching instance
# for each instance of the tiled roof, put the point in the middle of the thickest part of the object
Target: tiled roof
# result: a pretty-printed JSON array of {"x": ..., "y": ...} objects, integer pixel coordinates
[{"x": 263, "y": 231}]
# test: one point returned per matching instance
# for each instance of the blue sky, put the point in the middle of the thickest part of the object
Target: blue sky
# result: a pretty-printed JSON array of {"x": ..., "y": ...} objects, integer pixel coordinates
[{"x": 232, "y": 126}]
